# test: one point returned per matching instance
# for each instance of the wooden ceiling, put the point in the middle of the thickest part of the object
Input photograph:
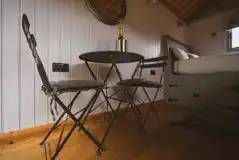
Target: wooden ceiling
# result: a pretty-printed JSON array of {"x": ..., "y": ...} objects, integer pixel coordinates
[{"x": 190, "y": 11}]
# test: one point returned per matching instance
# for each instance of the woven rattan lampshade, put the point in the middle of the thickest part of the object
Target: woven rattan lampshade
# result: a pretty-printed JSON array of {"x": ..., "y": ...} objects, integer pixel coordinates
[{"x": 110, "y": 12}]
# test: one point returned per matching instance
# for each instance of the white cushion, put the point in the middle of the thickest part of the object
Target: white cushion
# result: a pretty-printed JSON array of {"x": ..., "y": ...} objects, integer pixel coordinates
[
  {"x": 208, "y": 64},
  {"x": 193, "y": 55},
  {"x": 180, "y": 54}
]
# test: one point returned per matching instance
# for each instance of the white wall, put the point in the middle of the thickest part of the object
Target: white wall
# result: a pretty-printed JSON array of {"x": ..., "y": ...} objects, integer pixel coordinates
[
  {"x": 199, "y": 34},
  {"x": 65, "y": 29}
]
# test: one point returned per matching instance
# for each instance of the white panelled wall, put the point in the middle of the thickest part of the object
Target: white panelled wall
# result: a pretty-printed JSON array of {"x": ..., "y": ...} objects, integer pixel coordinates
[
  {"x": 208, "y": 36},
  {"x": 64, "y": 29}
]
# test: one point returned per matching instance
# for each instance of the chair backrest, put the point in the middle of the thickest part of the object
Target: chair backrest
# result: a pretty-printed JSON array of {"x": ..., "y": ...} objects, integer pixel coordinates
[
  {"x": 154, "y": 62},
  {"x": 32, "y": 44},
  {"x": 158, "y": 62}
]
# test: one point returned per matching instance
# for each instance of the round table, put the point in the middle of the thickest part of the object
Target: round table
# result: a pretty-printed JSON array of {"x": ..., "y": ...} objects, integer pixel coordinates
[
  {"x": 112, "y": 57},
  {"x": 106, "y": 57}
]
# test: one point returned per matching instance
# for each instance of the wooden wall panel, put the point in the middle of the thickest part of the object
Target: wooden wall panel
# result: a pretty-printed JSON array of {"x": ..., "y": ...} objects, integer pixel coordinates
[
  {"x": 42, "y": 35},
  {"x": 80, "y": 44},
  {"x": 27, "y": 72},
  {"x": 1, "y": 128},
  {"x": 55, "y": 35},
  {"x": 65, "y": 47},
  {"x": 10, "y": 64},
  {"x": 55, "y": 38},
  {"x": 64, "y": 29}
]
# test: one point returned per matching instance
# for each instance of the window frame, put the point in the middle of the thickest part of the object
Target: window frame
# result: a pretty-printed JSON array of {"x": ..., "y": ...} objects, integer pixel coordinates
[{"x": 229, "y": 40}]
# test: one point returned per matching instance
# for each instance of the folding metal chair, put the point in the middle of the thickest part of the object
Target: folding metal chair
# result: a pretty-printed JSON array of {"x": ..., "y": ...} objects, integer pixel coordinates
[
  {"x": 143, "y": 83},
  {"x": 54, "y": 89}
]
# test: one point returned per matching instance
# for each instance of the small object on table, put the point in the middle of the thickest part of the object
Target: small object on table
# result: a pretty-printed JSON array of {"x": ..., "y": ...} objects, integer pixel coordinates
[{"x": 121, "y": 43}]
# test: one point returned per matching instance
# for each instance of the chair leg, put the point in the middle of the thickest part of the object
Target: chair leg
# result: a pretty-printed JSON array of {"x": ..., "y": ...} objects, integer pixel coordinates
[
  {"x": 137, "y": 116},
  {"x": 65, "y": 140},
  {"x": 76, "y": 121},
  {"x": 155, "y": 96},
  {"x": 136, "y": 107},
  {"x": 61, "y": 134},
  {"x": 45, "y": 151},
  {"x": 84, "y": 113},
  {"x": 93, "y": 75},
  {"x": 99, "y": 150},
  {"x": 150, "y": 109},
  {"x": 63, "y": 143},
  {"x": 109, "y": 97},
  {"x": 131, "y": 97},
  {"x": 140, "y": 104},
  {"x": 64, "y": 125},
  {"x": 91, "y": 104},
  {"x": 59, "y": 119},
  {"x": 108, "y": 103}
]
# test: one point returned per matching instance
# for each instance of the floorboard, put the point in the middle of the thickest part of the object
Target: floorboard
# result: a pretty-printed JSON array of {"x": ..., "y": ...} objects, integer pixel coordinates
[{"x": 184, "y": 134}]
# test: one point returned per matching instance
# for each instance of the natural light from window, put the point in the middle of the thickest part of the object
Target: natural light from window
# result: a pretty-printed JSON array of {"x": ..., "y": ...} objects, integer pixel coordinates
[{"x": 235, "y": 37}]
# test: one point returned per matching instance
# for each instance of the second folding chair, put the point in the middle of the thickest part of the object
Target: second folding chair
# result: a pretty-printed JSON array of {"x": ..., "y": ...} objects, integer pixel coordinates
[{"x": 140, "y": 82}]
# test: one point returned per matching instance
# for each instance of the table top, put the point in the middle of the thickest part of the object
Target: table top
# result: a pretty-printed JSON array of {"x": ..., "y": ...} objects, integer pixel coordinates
[{"x": 105, "y": 57}]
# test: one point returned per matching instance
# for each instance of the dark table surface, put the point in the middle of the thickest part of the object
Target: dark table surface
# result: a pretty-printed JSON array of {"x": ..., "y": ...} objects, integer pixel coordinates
[{"x": 105, "y": 57}]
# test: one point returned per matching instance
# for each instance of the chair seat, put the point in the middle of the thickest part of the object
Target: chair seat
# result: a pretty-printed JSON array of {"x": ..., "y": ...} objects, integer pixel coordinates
[
  {"x": 75, "y": 85},
  {"x": 140, "y": 83}
]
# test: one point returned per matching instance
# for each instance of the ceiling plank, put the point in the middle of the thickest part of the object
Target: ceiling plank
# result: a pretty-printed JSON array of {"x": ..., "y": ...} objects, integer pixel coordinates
[
  {"x": 172, "y": 9},
  {"x": 191, "y": 10}
]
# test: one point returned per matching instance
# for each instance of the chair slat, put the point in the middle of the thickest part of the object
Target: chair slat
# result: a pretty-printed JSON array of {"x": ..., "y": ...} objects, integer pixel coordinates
[
  {"x": 156, "y": 59},
  {"x": 155, "y": 65}
]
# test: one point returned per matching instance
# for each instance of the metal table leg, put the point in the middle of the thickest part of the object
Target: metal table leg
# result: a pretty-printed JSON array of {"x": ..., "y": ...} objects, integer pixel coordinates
[{"x": 93, "y": 75}]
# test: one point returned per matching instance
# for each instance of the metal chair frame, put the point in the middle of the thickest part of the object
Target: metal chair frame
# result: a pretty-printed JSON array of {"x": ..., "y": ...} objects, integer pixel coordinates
[
  {"x": 50, "y": 91},
  {"x": 111, "y": 122},
  {"x": 96, "y": 12},
  {"x": 161, "y": 63},
  {"x": 131, "y": 100}
]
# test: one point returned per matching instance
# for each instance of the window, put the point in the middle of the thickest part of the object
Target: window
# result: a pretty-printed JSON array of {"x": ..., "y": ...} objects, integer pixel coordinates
[{"x": 233, "y": 39}]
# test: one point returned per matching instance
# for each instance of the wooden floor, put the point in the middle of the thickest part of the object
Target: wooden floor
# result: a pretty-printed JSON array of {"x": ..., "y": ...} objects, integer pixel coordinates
[{"x": 184, "y": 135}]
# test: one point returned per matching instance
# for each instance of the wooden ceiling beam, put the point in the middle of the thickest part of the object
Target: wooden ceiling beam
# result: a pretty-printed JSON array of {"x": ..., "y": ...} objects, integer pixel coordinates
[
  {"x": 190, "y": 10},
  {"x": 173, "y": 10},
  {"x": 189, "y": 6}
]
